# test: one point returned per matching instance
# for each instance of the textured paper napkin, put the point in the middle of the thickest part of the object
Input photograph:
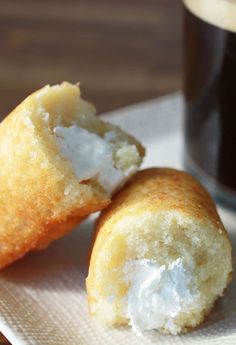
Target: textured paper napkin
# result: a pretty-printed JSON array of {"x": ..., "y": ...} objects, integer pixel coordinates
[{"x": 43, "y": 298}]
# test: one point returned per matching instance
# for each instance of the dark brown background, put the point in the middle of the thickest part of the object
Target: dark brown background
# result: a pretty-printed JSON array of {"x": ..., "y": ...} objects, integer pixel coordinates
[{"x": 122, "y": 51}]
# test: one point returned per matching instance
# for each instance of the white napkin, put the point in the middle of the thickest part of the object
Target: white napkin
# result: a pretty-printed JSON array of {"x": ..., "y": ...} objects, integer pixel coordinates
[{"x": 43, "y": 298}]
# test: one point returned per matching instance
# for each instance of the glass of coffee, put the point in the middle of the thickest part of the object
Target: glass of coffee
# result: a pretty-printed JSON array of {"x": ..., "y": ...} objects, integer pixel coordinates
[{"x": 210, "y": 95}]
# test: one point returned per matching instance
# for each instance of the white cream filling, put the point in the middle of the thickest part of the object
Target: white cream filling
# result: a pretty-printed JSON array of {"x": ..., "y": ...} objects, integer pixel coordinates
[
  {"x": 90, "y": 155},
  {"x": 157, "y": 294}
]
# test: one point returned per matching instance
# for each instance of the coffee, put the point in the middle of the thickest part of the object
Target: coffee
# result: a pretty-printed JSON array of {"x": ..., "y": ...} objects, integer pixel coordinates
[{"x": 210, "y": 90}]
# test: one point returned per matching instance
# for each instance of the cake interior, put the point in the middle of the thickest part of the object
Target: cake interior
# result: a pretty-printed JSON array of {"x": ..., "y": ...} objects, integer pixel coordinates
[
  {"x": 80, "y": 144},
  {"x": 161, "y": 271}
]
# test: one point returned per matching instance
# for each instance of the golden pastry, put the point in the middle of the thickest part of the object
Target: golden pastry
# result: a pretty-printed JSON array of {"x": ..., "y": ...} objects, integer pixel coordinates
[
  {"x": 59, "y": 162},
  {"x": 161, "y": 256}
]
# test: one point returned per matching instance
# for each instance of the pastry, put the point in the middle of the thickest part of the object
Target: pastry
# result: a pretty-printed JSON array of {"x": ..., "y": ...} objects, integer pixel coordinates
[
  {"x": 59, "y": 163},
  {"x": 161, "y": 256}
]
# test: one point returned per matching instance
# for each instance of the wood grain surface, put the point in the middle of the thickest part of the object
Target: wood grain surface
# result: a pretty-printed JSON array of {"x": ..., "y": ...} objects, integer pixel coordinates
[{"x": 122, "y": 52}]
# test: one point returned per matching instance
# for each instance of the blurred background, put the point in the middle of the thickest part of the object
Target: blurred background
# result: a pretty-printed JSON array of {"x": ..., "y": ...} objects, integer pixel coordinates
[{"x": 121, "y": 51}]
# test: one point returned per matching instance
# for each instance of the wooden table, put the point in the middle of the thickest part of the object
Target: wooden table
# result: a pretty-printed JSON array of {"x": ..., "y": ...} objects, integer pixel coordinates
[{"x": 122, "y": 52}]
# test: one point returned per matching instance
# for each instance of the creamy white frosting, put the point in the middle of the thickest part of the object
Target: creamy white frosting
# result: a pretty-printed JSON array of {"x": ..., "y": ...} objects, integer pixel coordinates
[
  {"x": 90, "y": 155},
  {"x": 157, "y": 294}
]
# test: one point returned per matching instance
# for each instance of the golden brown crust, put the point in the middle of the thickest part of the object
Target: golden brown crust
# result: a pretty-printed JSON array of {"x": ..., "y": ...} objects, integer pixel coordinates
[
  {"x": 34, "y": 208},
  {"x": 57, "y": 231},
  {"x": 31, "y": 189},
  {"x": 162, "y": 189},
  {"x": 155, "y": 190}
]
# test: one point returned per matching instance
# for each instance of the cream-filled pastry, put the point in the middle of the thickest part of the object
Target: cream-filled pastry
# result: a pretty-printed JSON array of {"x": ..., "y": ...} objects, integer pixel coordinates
[
  {"x": 59, "y": 163},
  {"x": 161, "y": 256}
]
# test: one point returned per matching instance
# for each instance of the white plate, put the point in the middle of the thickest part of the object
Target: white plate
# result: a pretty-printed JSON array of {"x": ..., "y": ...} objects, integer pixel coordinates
[{"x": 42, "y": 297}]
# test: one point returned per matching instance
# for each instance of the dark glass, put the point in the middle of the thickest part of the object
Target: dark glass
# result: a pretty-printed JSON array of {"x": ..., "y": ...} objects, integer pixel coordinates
[{"x": 210, "y": 100}]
